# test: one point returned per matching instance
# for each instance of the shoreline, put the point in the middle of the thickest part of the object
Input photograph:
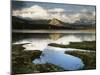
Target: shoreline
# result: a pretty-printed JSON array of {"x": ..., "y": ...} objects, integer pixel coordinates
[{"x": 53, "y": 31}]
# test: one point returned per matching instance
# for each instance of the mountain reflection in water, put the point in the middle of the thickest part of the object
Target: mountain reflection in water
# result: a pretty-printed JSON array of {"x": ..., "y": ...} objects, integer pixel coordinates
[
  {"x": 41, "y": 41},
  {"x": 55, "y": 55}
]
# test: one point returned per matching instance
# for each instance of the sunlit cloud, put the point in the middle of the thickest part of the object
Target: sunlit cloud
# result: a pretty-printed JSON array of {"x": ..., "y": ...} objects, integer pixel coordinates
[{"x": 38, "y": 12}]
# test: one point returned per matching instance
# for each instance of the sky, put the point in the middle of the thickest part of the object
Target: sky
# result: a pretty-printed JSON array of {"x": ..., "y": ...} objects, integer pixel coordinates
[{"x": 65, "y": 12}]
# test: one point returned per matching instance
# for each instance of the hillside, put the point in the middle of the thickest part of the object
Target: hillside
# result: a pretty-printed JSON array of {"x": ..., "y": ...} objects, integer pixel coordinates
[{"x": 21, "y": 23}]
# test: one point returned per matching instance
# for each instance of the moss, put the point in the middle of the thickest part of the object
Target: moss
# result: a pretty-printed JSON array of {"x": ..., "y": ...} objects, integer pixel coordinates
[
  {"x": 89, "y": 58},
  {"x": 22, "y": 62},
  {"x": 88, "y": 45}
]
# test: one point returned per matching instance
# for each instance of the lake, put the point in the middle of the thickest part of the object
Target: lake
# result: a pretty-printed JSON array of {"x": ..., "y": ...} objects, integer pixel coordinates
[{"x": 55, "y": 55}]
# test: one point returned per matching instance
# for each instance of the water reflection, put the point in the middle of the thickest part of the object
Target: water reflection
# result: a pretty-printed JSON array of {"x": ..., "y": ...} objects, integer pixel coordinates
[
  {"x": 54, "y": 36},
  {"x": 40, "y": 41},
  {"x": 57, "y": 57}
]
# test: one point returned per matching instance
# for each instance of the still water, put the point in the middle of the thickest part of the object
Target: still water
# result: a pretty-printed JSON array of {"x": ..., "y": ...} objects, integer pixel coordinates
[
  {"x": 41, "y": 41},
  {"x": 55, "y": 55}
]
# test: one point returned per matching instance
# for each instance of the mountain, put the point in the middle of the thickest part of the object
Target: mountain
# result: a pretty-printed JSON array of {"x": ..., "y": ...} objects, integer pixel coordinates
[
  {"x": 55, "y": 22},
  {"x": 22, "y": 23}
]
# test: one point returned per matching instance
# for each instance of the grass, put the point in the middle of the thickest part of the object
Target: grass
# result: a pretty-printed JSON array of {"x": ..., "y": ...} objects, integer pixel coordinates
[
  {"x": 87, "y": 45},
  {"x": 22, "y": 62},
  {"x": 88, "y": 58}
]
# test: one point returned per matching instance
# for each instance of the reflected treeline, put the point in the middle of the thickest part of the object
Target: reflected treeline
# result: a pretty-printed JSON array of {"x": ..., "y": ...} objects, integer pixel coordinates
[{"x": 53, "y": 36}]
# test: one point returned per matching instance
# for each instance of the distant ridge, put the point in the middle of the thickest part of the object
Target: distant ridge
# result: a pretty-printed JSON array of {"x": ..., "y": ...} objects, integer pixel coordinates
[{"x": 23, "y": 23}]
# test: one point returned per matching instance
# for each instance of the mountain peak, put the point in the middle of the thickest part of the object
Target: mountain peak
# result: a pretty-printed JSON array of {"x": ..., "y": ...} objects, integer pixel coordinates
[{"x": 56, "y": 22}]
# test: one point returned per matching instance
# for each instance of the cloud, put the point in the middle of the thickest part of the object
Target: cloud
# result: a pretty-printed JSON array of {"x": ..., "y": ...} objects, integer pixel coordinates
[
  {"x": 38, "y": 12},
  {"x": 34, "y": 12},
  {"x": 87, "y": 16},
  {"x": 57, "y": 10}
]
